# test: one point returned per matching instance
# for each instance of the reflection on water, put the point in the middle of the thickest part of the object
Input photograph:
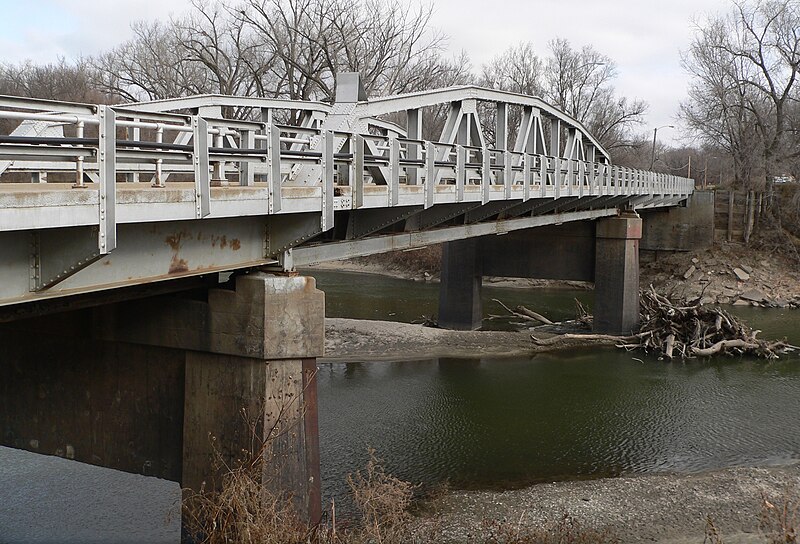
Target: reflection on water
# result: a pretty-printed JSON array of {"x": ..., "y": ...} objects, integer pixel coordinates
[
  {"x": 369, "y": 296},
  {"x": 489, "y": 423},
  {"x": 505, "y": 423}
]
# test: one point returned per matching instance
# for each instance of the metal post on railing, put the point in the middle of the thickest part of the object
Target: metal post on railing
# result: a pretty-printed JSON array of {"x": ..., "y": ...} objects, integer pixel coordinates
[
  {"x": 527, "y": 164},
  {"x": 542, "y": 176},
  {"x": 135, "y": 134},
  {"x": 79, "y": 183},
  {"x": 159, "y": 178},
  {"x": 570, "y": 175},
  {"x": 394, "y": 171},
  {"x": 107, "y": 166},
  {"x": 202, "y": 183},
  {"x": 328, "y": 172},
  {"x": 461, "y": 172},
  {"x": 247, "y": 140},
  {"x": 357, "y": 178},
  {"x": 508, "y": 175},
  {"x": 557, "y": 176},
  {"x": 486, "y": 172},
  {"x": 219, "y": 177},
  {"x": 430, "y": 175},
  {"x": 274, "y": 159}
]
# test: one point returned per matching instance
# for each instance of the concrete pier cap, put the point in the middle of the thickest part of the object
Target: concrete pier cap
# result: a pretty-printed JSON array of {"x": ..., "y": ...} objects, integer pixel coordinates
[{"x": 268, "y": 316}]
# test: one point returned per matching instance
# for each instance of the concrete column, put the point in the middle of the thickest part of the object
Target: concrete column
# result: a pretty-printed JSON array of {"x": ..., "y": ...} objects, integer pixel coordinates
[
  {"x": 460, "y": 288},
  {"x": 257, "y": 384},
  {"x": 616, "y": 284}
]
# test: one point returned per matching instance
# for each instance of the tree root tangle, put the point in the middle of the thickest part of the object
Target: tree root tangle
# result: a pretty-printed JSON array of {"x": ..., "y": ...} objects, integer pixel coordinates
[{"x": 672, "y": 331}]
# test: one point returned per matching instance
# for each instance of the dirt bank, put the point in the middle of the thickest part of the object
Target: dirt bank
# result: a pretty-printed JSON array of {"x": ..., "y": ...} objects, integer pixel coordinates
[
  {"x": 755, "y": 275},
  {"x": 726, "y": 274},
  {"x": 375, "y": 266},
  {"x": 651, "y": 508}
]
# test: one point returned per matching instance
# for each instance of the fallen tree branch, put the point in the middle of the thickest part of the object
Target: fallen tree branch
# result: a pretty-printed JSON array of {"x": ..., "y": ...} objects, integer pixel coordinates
[
  {"x": 534, "y": 315},
  {"x": 607, "y": 339},
  {"x": 672, "y": 331},
  {"x": 724, "y": 345},
  {"x": 524, "y": 313}
]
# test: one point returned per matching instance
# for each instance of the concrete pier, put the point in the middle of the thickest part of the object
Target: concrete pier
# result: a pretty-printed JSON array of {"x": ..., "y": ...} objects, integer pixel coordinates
[
  {"x": 616, "y": 283},
  {"x": 460, "y": 290},
  {"x": 261, "y": 367},
  {"x": 605, "y": 251}
]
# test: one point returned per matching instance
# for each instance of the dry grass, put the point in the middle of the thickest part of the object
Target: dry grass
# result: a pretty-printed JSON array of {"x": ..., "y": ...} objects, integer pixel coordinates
[
  {"x": 244, "y": 511},
  {"x": 383, "y": 502},
  {"x": 778, "y": 521},
  {"x": 780, "y": 518}
]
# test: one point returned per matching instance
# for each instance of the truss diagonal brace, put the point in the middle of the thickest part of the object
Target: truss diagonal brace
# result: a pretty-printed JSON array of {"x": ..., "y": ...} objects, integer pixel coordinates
[{"x": 57, "y": 254}]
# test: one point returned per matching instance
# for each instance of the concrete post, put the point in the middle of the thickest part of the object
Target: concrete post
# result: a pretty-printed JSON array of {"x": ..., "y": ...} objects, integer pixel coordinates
[
  {"x": 257, "y": 383},
  {"x": 616, "y": 285},
  {"x": 460, "y": 289}
]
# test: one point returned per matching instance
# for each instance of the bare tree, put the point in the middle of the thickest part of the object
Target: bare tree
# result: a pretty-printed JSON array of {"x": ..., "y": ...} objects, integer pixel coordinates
[
  {"x": 744, "y": 91},
  {"x": 579, "y": 82},
  {"x": 392, "y": 46},
  {"x": 280, "y": 48},
  {"x": 151, "y": 66},
  {"x": 61, "y": 80},
  {"x": 518, "y": 69}
]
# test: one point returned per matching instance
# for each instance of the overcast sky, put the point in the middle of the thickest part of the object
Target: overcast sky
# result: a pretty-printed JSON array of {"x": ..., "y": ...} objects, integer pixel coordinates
[{"x": 643, "y": 37}]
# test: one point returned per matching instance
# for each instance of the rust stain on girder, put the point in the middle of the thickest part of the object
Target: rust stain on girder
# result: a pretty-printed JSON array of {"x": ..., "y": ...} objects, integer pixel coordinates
[{"x": 178, "y": 265}]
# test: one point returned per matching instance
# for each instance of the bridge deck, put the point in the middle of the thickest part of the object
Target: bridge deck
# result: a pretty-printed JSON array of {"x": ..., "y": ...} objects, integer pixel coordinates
[
  {"x": 27, "y": 206},
  {"x": 221, "y": 194}
]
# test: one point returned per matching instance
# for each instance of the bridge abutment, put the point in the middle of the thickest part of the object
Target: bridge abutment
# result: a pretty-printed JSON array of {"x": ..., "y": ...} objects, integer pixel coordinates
[{"x": 143, "y": 386}]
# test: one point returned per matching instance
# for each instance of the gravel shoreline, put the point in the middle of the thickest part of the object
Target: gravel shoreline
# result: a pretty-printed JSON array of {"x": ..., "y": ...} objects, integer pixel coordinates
[
  {"x": 668, "y": 508},
  {"x": 362, "y": 339}
]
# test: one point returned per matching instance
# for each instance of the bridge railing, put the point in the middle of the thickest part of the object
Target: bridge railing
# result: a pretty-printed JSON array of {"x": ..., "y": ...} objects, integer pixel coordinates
[{"x": 94, "y": 147}]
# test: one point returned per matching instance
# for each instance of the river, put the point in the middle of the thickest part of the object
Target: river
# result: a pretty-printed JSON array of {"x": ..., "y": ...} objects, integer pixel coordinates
[{"x": 504, "y": 423}]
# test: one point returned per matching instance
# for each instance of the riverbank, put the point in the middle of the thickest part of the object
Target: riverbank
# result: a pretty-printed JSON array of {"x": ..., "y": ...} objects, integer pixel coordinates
[
  {"x": 727, "y": 273},
  {"x": 670, "y": 508}
]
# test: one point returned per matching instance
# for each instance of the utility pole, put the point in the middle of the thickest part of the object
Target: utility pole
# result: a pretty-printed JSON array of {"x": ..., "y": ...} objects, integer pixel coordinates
[{"x": 655, "y": 133}]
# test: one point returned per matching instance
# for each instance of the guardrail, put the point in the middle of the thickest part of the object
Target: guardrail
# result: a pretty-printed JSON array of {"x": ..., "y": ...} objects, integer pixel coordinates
[{"x": 103, "y": 144}]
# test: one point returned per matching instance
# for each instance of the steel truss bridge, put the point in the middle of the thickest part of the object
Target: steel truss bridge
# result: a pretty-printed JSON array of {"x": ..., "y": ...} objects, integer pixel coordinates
[{"x": 94, "y": 197}]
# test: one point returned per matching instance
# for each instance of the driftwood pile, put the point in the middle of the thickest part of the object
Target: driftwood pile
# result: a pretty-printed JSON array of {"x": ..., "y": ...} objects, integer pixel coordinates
[
  {"x": 698, "y": 331},
  {"x": 672, "y": 331}
]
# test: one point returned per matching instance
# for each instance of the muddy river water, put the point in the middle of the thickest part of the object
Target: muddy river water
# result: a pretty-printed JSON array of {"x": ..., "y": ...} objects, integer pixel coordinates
[{"x": 502, "y": 423}]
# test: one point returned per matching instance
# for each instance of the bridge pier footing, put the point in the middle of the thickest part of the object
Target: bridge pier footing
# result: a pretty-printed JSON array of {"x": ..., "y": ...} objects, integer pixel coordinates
[
  {"x": 616, "y": 283},
  {"x": 460, "y": 305}
]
